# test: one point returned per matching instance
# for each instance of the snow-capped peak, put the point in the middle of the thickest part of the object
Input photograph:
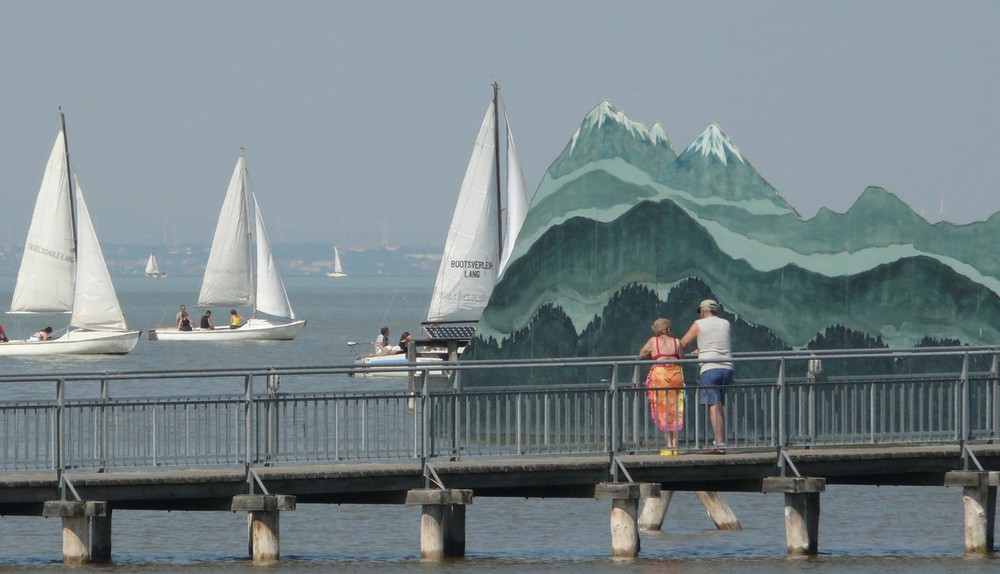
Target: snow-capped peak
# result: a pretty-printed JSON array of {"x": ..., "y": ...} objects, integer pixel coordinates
[
  {"x": 606, "y": 112},
  {"x": 714, "y": 141}
]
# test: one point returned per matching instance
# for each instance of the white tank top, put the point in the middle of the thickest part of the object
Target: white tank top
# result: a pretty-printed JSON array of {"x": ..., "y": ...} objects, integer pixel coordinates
[{"x": 713, "y": 343}]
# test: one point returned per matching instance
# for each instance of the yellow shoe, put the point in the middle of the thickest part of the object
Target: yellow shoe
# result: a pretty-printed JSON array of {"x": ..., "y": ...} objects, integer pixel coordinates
[{"x": 670, "y": 452}]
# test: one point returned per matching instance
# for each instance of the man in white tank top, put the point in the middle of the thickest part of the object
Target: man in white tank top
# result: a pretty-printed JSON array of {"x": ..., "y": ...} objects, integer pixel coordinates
[{"x": 712, "y": 335}]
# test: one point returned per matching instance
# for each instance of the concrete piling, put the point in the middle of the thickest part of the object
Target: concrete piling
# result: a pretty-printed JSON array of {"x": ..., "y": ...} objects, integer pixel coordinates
[
  {"x": 264, "y": 539},
  {"x": 86, "y": 529},
  {"x": 979, "y": 498},
  {"x": 801, "y": 511},
  {"x": 442, "y": 521}
]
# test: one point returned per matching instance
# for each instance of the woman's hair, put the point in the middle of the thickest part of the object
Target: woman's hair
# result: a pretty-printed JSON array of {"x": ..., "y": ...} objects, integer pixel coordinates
[
  {"x": 384, "y": 330},
  {"x": 661, "y": 326}
]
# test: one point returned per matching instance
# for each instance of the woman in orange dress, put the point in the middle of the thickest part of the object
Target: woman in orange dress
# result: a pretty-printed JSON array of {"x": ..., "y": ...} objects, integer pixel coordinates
[{"x": 665, "y": 406}]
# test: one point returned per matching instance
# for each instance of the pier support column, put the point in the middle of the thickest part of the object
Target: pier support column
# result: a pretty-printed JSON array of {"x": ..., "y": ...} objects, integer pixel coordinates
[
  {"x": 653, "y": 509},
  {"x": 801, "y": 511},
  {"x": 624, "y": 513},
  {"x": 718, "y": 510},
  {"x": 86, "y": 528},
  {"x": 263, "y": 512},
  {"x": 979, "y": 496},
  {"x": 442, "y": 521}
]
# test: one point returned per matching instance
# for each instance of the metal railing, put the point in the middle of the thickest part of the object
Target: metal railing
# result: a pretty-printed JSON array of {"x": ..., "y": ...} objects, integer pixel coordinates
[{"x": 284, "y": 416}]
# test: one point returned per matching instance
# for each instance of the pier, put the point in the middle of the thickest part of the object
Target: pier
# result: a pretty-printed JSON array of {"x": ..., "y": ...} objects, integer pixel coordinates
[{"x": 83, "y": 445}]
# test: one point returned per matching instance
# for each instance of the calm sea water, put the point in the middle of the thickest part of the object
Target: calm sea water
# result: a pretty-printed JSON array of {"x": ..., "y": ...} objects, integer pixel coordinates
[{"x": 862, "y": 529}]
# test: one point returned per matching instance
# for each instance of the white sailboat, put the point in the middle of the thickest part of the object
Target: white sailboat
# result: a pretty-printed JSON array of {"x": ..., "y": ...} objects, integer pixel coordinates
[
  {"x": 484, "y": 226},
  {"x": 63, "y": 270},
  {"x": 153, "y": 267},
  {"x": 233, "y": 280},
  {"x": 338, "y": 271}
]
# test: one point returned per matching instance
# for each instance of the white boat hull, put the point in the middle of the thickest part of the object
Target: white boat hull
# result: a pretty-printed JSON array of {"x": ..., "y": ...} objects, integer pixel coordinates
[
  {"x": 396, "y": 360},
  {"x": 253, "y": 330},
  {"x": 75, "y": 343},
  {"x": 336, "y": 274}
]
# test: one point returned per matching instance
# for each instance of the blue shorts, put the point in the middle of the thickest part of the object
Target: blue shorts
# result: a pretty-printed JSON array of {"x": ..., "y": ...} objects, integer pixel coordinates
[{"x": 713, "y": 386}]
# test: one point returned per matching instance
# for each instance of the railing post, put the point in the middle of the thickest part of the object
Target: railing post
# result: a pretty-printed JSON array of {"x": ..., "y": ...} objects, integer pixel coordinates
[
  {"x": 782, "y": 406},
  {"x": 103, "y": 437},
  {"x": 994, "y": 409},
  {"x": 616, "y": 442},
  {"x": 271, "y": 412},
  {"x": 248, "y": 414},
  {"x": 57, "y": 436},
  {"x": 427, "y": 422},
  {"x": 963, "y": 383}
]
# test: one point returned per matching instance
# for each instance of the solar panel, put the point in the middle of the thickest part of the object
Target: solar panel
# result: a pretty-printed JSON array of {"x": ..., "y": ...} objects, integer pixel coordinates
[{"x": 450, "y": 331}]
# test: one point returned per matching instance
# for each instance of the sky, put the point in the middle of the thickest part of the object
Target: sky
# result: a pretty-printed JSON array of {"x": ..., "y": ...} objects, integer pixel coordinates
[{"x": 358, "y": 118}]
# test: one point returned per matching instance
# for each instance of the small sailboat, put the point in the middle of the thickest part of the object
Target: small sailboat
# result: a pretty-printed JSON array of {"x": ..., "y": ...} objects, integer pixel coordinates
[
  {"x": 485, "y": 224},
  {"x": 338, "y": 271},
  {"x": 63, "y": 270},
  {"x": 232, "y": 279},
  {"x": 153, "y": 267}
]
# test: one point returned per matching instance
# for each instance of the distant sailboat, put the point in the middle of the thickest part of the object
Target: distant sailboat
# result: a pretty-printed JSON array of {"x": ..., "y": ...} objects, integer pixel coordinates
[
  {"x": 63, "y": 270},
  {"x": 231, "y": 278},
  {"x": 338, "y": 271},
  {"x": 153, "y": 267},
  {"x": 483, "y": 229}
]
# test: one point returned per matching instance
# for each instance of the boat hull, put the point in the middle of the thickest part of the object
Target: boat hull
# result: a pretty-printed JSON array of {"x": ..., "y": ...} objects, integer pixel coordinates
[
  {"x": 75, "y": 343},
  {"x": 397, "y": 360},
  {"x": 253, "y": 330}
]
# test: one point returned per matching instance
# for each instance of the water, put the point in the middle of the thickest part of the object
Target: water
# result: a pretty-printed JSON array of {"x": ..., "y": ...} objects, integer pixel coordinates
[{"x": 862, "y": 529}]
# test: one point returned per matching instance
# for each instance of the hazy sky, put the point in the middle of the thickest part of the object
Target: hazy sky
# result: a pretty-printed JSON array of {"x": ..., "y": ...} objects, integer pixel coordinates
[{"x": 355, "y": 113}]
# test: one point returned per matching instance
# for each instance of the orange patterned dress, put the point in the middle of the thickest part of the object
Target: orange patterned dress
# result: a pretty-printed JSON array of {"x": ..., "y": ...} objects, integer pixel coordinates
[{"x": 666, "y": 406}]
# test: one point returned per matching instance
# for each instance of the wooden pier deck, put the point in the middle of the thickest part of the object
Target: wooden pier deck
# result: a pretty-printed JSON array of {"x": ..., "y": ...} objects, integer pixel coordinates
[{"x": 548, "y": 477}]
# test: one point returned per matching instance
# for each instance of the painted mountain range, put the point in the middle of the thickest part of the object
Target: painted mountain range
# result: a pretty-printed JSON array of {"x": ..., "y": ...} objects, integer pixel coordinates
[{"x": 622, "y": 230}]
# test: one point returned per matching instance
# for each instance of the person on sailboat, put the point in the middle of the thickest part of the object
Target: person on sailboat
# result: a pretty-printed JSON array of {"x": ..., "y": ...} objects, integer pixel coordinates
[
  {"x": 206, "y": 321},
  {"x": 43, "y": 335},
  {"x": 235, "y": 319},
  {"x": 382, "y": 346},
  {"x": 180, "y": 315},
  {"x": 3, "y": 335},
  {"x": 185, "y": 323}
]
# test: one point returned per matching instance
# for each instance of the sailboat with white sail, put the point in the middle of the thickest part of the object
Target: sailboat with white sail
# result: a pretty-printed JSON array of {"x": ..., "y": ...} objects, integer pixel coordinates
[
  {"x": 234, "y": 278},
  {"x": 63, "y": 270},
  {"x": 484, "y": 227},
  {"x": 153, "y": 267},
  {"x": 338, "y": 270}
]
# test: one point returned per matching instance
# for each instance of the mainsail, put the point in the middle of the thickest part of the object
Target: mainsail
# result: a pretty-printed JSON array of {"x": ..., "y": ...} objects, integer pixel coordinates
[
  {"x": 228, "y": 280},
  {"x": 47, "y": 277},
  {"x": 468, "y": 268}
]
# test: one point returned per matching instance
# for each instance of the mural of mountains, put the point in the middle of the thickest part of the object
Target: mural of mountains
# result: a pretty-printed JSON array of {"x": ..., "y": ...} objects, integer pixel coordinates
[{"x": 620, "y": 221}]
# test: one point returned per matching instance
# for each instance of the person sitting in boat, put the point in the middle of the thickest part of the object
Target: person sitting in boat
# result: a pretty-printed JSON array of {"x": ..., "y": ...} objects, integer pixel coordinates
[
  {"x": 3, "y": 335},
  {"x": 235, "y": 319},
  {"x": 180, "y": 314},
  {"x": 206, "y": 321},
  {"x": 43, "y": 335},
  {"x": 382, "y": 346},
  {"x": 185, "y": 323},
  {"x": 403, "y": 340}
]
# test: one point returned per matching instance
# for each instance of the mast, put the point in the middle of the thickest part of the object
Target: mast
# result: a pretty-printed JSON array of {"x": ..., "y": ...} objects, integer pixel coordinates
[
  {"x": 496, "y": 153},
  {"x": 244, "y": 184},
  {"x": 69, "y": 178}
]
